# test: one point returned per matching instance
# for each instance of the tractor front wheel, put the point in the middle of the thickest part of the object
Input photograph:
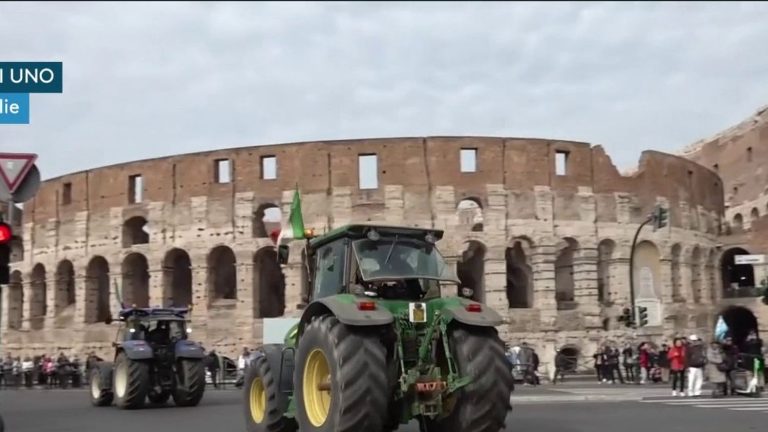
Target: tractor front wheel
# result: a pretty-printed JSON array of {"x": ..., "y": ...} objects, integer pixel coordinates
[
  {"x": 190, "y": 382},
  {"x": 482, "y": 405},
  {"x": 99, "y": 396},
  {"x": 262, "y": 408},
  {"x": 130, "y": 381},
  {"x": 340, "y": 379}
]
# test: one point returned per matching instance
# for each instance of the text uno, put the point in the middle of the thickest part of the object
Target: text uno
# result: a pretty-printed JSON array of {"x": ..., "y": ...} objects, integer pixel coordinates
[{"x": 27, "y": 75}]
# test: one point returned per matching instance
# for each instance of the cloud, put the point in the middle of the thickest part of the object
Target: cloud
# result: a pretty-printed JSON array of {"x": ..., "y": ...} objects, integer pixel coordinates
[{"x": 151, "y": 79}]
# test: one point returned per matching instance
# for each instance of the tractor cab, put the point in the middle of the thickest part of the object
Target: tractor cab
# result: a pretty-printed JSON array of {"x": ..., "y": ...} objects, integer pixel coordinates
[
  {"x": 390, "y": 263},
  {"x": 159, "y": 327}
]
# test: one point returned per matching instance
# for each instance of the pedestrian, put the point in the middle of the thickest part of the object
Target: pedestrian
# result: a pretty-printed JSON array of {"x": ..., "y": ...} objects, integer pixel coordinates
[
  {"x": 753, "y": 350},
  {"x": 212, "y": 364},
  {"x": 730, "y": 360},
  {"x": 561, "y": 362},
  {"x": 677, "y": 367},
  {"x": 715, "y": 370},
  {"x": 599, "y": 358},
  {"x": 664, "y": 362},
  {"x": 630, "y": 362},
  {"x": 696, "y": 359},
  {"x": 535, "y": 367},
  {"x": 644, "y": 361}
]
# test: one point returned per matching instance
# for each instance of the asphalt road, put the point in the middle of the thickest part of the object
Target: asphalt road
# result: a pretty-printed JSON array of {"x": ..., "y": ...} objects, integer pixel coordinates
[{"x": 70, "y": 411}]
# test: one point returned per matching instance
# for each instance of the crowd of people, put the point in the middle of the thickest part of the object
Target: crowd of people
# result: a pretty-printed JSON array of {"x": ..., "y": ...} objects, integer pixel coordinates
[
  {"x": 686, "y": 363},
  {"x": 42, "y": 370}
]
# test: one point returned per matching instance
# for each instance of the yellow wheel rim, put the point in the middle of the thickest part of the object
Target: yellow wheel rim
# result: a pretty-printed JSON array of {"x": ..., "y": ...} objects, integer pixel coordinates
[
  {"x": 258, "y": 400},
  {"x": 316, "y": 388}
]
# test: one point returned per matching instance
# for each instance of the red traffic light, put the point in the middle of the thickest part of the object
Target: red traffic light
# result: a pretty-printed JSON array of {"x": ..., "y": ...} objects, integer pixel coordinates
[{"x": 5, "y": 233}]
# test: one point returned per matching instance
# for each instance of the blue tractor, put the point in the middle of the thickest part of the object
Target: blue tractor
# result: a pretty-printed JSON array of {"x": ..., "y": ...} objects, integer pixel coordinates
[{"x": 154, "y": 360}]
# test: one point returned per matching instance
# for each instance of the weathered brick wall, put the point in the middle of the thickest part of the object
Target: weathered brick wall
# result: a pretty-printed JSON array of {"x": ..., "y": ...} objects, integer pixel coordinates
[{"x": 522, "y": 198}]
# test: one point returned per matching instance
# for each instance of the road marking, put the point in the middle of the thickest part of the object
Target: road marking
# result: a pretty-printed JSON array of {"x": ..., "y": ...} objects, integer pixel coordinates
[{"x": 738, "y": 404}]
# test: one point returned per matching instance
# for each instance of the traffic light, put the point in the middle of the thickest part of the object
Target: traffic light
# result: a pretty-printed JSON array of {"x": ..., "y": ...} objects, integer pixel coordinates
[
  {"x": 626, "y": 317},
  {"x": 660, "y": 216},
  {"x": 642, "y": 316},
  {"x": 5, "y": 252}
]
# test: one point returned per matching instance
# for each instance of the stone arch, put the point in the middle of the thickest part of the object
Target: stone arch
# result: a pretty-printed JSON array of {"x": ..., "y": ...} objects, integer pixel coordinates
[
  {"x": 15, "y": 301},
  {"x": 754, "y": 215},
  {"x": 738, "y": 223},
  {"x": 268, "y": 284},
  {"x": 97, "y": 307},
  {"x": 470, "y": 213},
  {"x": 565, "y": 289},
  {"x": 222, "y": 274},
  {"x": 696, "y": 274},
  {"x": 17, "y": 249},
  {"x": 65, "y": 286},
  {"x": 177, "y": 278},
  {"x": 676, "y": 279},
  {"x": 38, "y": 302},
  {"x": 519, "y": 274},
  {"x": 572, "y": 354},
  {"x": 738, "y": 279},
  {"x": 647, "y": 280},
  {"x": 266, "y": 218},
  {"x": 470, "y": 270},
  {"x": 135, "y": 231},
  {"x": 135, "y": 272},
  {"x": 647, "y": 256},
  {"x": 605, "y": 251},
  {"x": 712, "y": 279}
]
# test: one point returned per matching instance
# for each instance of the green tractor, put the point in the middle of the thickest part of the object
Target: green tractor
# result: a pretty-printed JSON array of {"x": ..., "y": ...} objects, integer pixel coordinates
[{"x": 377, "y": 346}]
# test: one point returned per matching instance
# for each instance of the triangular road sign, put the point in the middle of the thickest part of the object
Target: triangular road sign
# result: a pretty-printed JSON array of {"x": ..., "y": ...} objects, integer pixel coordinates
[{"x": 14, "y": 167}]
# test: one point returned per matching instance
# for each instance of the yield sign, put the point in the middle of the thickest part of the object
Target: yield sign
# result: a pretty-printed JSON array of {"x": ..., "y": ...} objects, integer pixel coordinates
[{"x": 14, "y": 167}]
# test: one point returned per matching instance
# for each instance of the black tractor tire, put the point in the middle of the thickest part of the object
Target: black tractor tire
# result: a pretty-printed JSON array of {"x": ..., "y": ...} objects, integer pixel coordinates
[
  {"x": 356, "y": 364},
  {"x": 158, "y": 398},
  {"x": 99, "y": 397},
  {"x": 482, "y": 405},
  {"x": 190, "y": 382},
  {"x": 132, "y": 392},
  {"x": 262, "y": 409}
]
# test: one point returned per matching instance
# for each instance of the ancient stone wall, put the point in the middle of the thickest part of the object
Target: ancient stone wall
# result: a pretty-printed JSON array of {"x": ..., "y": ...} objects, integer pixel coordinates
[{"x": 540, "y": 229}]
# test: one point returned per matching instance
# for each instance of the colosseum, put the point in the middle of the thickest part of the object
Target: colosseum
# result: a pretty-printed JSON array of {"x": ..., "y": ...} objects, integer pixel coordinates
[{"x": 541, "y": 229}]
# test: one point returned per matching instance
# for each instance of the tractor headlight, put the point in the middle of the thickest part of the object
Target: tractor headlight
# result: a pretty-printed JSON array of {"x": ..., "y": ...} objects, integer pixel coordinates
[
  {"x": 467, "y": 292},
  {"x": 189, "y": 330},
  {"x": 132, "y": 330}
]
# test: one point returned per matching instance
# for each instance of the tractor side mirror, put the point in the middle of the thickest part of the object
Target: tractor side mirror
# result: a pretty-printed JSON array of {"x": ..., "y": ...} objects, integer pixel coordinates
[{"x": 282, "y": 254}]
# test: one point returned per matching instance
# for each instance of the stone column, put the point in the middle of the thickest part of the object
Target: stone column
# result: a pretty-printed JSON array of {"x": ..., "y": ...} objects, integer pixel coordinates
[
  {"x": 294, "y": 279},
  {"x": 619, "y": 281},
  {"x": 50, "y": 300},
  {"x": 495, "y": 278},
  {"x": 199, "y": 315},
  {"x": 157, "y": 275},
  {"x": 686, "y": 274},
  {"x": 245, "y": 292},
  {"x": 81, "y": 296},
  {"x": 585, "y": 285},
  {"x": 543, "y": 267}
]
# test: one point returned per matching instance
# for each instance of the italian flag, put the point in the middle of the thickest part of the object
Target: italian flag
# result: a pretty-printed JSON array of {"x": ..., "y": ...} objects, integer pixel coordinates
[{"x": 294, "y": 228}]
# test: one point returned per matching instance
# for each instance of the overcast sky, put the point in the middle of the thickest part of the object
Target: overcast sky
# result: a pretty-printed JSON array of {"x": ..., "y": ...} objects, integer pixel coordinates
[{"x": 144, "y": 80}]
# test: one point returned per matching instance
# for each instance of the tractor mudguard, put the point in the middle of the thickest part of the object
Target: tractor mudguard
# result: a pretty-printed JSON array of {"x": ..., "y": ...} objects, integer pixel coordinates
[
  {"x": 137, "y": 350},
  {"x": 276, "y": 358},
  {"x": 344, "y": 307},
  {"x": 188, "y": 349},
  {"x": 105, "y": 375},
  {"x": 487, "y": 317}
]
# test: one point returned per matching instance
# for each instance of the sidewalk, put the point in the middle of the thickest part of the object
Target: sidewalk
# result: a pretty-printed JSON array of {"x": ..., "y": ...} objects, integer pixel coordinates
[{"x": 582, "y": 392}]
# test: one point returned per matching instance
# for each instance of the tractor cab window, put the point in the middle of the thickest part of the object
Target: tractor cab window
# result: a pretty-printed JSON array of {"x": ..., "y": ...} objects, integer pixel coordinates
[
  {"x": 401, "y": 258},
  {"x": 164, "y": 331},
  {"x": 135, "y": 330},
  {"x": 329, "y": 272}
]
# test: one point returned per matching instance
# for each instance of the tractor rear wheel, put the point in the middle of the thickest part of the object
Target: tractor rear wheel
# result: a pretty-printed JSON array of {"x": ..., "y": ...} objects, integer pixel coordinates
[
  {"x": 130, "y": 382},
  {"x": 482, "y": 405},
  {"x": 99, "y": 397},
  {"x": 340, "y": 379},
  {"x": 190, "y": 382},
  {"x": 262, "y": 409}
]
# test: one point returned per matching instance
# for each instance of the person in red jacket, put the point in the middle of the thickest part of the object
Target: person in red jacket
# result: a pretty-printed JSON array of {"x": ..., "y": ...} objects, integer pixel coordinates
[{"x": 676, "y": 357}]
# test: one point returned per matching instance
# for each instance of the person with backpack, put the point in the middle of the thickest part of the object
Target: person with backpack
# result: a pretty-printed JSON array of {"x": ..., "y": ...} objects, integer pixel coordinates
[{"x": 696, "y": 357}]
